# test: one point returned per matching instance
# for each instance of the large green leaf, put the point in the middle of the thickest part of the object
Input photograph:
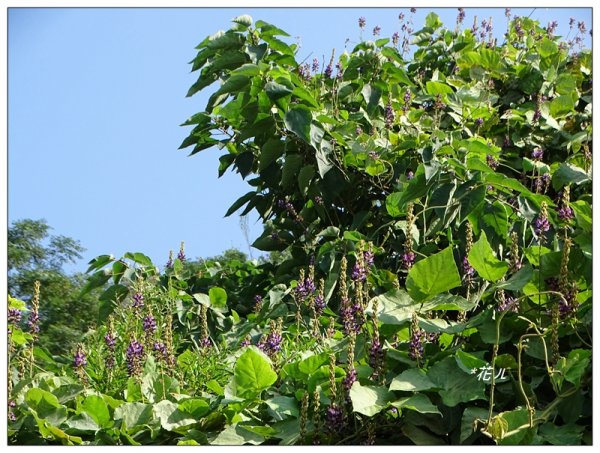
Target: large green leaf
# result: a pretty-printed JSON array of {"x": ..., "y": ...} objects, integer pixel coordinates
[
  {"x": 46, "y": 405},
  {"x": 482, "y": 258},
  {"x": 171, "y": 418},
  {"x": 96, "y": 408},
  {"x": 457, "y": 386},
  {"x": 369, "y": 400},
  {"x": 237, "y": 435},
  {"x": 253, "y": 373},
  {"x": 569, "y": 174},
  {"x": 433, "y": 275},
  {"x": 417, "y": 402},
  {"x": 218, "y": 297},
  {"x": 412, "y": 380},
  {"x": 298, "y": 120},
  {"x": 134, "y": 415}
]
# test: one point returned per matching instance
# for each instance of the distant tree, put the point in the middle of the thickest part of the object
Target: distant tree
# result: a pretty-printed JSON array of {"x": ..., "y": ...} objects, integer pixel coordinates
[{"x": 35, "y": 254}]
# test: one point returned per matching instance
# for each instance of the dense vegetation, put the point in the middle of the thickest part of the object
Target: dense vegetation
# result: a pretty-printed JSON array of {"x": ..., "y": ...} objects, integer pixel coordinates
[{"x": 434, "y": 286}]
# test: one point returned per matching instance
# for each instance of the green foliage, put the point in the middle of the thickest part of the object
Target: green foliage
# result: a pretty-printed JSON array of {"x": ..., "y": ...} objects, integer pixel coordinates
[{"x": 431, "y": 220}]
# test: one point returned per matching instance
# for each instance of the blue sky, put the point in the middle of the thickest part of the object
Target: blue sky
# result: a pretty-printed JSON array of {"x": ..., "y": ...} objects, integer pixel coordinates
[{"x": 95, "y": 99}]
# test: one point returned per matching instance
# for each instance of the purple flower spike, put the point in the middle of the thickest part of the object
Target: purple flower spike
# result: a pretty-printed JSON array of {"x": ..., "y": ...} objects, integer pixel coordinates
[
  {"x": 541, "y": 225},
  {"x": 138, "y": 300},
  {"x": 149, "y": 324},
  {"x": 408, "y": 259},
  {"x": 510, "y": 304},
  {"x": 467, "y": 268},
  {"x": 14, "y": 316},
  {"x": 537, "y": 154},
  {"x": 79, "y": 359},
  {"x": 362, "y": 22}
]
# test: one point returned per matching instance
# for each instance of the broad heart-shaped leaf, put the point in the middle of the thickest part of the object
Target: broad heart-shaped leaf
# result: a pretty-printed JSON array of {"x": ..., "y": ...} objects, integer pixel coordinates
[
  {"x": 253, "y": 373},
  {"x": 96, "y": 408},
  {"x": 195, "y": 407},
  {"x": 369, "y": 399},
  {"x": 569, "y": 174},
  {"x": 298, "y": 120},
  {"x": 171, "y": 418},
  {"x": 417, "y": 402},
  {"x": 573, "y": 367},
  {"x": 134, "y": 415},
  {"x": 237, "y": 435},
  {"x": 46, "y": 405},
  {"x": 482, "y": 258},
  {"x": 457, "y": 386},
  {"x": 218, "y": 297},
  {"x": 433, "y": 275},
  {"x": 412, "y": 380}
]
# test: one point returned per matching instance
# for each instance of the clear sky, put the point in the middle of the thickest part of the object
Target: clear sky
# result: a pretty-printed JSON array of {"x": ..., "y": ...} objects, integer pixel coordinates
[{"x": 95, "y": 99}]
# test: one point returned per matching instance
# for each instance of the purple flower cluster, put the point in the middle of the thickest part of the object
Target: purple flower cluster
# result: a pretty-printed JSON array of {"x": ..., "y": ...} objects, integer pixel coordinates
[
  {"x": 358, "y": 130},
  {"x": 14, "y": 316},
  {"x": 328, "y": 71},
  {"x": 551, "y": 28},
  {"x": 245, "y": 342},
  {"x": 415, "y": 347},
  {"x": 319, "y": 200},
  {"x": 375, "y": 353},
  {"x": 376, "y": 30},
  {"x": 537, "y": 154},
  {"x": 135, "y": 352},
  {"x": 479, "y": 122},
  {"x": 389, "y": 115},
  {"x": 319, "y": 304},
  {"x": 408, "y": 259},
  {"x": 568, "y": 306},
  {"x": 149, "y": 324},
  {"x": 359, "y": 273},
  {"x": 362, "y": 22},
  {"x": 205, "y": 342},
  {"x": 519, "y": 29},
  {"x": 368, "y": 257},
  {"x": 334, "y": 418},
  {"x": 138, "y": 300},
  {"x": 110, "y": 340},
  {"x": 468, "y": 270},
  {"x": 11, "y": 415},
  {"x": 315, "y": 65},
  {"x": 33, "y": 322},
  {"x": 304, "y": 72},
  {"x": 169, "y": 264},
  {"x": 492, "y": 162},
  {"x": 461, "y": 16},
  {"x": 305, "y": 288},
  {"x": 407, "y": 100},
  {"x": 508, "y": 304},
  {"x": 349, "y": 379},
  {"x": 410, "y": 175},
  {"x": 181, "y": 254},
  {"x": 347, "y": 313},
  {"x": 541, "y": 225},
  {"x": 565, "y": 213},
  {"x": 395, "y": 38},
  {"x": 79, "y": 359},
  {"x": 161, "y": 349}
]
